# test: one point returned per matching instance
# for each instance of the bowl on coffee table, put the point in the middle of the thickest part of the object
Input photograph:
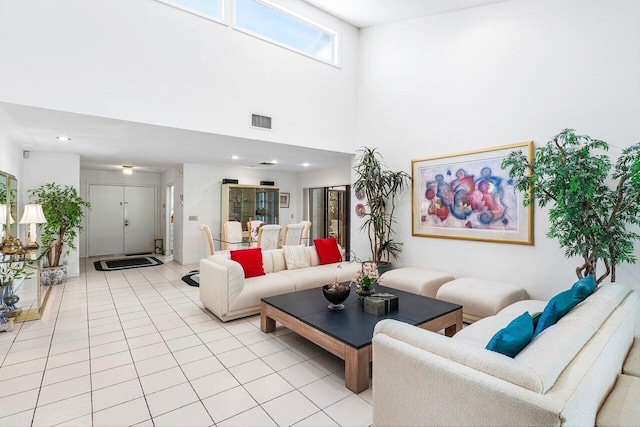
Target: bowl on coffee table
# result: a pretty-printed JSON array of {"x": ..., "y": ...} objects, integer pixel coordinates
[{"x": 336, "y": 294}]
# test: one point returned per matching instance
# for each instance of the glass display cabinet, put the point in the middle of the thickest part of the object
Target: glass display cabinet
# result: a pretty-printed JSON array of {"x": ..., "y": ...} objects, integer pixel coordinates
[
  {"x": 250, "y": 203},
  {"x": 31, "y": 294}
]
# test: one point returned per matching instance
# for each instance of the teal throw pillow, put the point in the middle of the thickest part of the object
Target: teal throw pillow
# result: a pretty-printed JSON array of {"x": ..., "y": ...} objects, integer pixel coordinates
[
  {"x": 535, "y": 317},
  {"x": 557, "y": 307},
  {"x": 514, "y": 337},
  {"x": 583, "y": 288}
]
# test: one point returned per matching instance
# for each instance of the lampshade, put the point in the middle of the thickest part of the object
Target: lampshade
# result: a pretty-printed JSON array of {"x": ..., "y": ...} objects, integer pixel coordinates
[{"x": 33, "y": 215}]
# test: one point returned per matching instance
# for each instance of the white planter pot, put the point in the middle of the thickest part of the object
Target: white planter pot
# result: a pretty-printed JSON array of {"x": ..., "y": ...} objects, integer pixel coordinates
[{"x": 51, "y": 276}]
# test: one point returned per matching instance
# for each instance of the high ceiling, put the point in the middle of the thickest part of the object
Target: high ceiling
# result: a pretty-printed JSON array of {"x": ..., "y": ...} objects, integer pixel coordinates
[
  {"x": 365, "y": 13},
  {"x": 108, "y": 144}
]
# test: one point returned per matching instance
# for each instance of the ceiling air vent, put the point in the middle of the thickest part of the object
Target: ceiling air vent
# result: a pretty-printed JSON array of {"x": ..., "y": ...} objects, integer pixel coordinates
[
  {"x": 262, "y": 122},
  {"x": 267, "y": 163}
]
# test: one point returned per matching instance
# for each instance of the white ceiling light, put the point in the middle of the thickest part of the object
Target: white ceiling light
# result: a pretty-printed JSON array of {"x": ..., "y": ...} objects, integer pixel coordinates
[
  {"x": 275, "y": 162},
  {"x": 127, "y": 170},
  {"x": 63, "y": 138},
  {"x": 305, "y": 164},
  {"x": 235, "y": 157}
]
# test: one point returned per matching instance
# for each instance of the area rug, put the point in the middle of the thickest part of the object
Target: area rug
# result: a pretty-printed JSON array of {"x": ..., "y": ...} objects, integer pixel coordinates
[
  {"x": 192, "y": 279},
  {"x": 126, "y": 263}
]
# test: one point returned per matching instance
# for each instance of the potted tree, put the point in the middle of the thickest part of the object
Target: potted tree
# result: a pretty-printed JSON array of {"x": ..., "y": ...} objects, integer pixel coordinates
[
  {"x": 380, "y": 187},
  {"x": 590, "y": 208},
  {"x": 63, "y": 209}
]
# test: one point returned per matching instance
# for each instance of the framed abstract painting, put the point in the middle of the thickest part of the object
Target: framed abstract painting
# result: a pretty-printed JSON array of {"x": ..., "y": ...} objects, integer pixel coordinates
[{"x": 469, "y": 196}]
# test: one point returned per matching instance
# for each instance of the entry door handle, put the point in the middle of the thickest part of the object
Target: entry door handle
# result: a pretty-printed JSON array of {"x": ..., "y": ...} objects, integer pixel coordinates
[{"x": 126, "y": 222}]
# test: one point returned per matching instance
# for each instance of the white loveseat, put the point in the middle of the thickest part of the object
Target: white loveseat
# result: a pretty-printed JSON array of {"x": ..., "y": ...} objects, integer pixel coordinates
[
  {"x": 561, "y": 378},
  {"x": 225, "y": 291}
]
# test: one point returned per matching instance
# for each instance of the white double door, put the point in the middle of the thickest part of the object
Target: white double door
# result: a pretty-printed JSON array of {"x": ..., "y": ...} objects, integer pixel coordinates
[{"x": 121, "y": 220}]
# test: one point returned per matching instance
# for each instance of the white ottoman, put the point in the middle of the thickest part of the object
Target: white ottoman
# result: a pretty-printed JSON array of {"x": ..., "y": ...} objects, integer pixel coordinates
[
  {"x": 415, "y": 280},
  {"x": 480, "y": 298}
]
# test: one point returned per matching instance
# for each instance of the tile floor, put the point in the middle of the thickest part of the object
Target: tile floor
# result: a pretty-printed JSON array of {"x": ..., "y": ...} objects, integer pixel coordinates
[{"x": 136, "y": 347}]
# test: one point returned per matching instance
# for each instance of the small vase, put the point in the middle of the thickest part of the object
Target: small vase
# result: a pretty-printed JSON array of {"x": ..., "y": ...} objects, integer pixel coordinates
[
  {"x": 9, "y": 297},
  {"x": 5, "y": 324}
]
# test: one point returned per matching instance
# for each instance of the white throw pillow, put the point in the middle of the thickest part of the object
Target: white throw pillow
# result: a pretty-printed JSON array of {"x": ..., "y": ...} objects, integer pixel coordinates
[{"x": 296, "y": 257}]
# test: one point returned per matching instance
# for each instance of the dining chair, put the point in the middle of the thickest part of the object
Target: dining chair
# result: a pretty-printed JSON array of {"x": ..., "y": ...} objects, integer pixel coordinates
[
  {"x": 231, "y": 235},
  {"x": 269, "y": 236},
  {"x": 305, "y": 232},
  {"x": 253, "y": 227},
  {"x": 292, "y": 234},
  {"x": 207, "y": 240}
]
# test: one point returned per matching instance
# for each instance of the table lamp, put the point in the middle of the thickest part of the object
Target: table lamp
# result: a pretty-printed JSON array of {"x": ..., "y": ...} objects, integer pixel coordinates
[
  {"x": 3, "y": 219},
  {"x": 32, "y": 215}
]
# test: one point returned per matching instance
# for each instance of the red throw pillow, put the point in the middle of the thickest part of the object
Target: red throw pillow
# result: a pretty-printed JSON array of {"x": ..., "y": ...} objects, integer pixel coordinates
[
  {"x": 250, "y": 260},
  {"x": 327, "y": 250}
]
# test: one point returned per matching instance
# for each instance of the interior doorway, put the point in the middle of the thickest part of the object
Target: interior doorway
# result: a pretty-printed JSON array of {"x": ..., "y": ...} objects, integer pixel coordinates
[
  {"x": 329, "y": 214},
  {"x": 122, "y": 220}
]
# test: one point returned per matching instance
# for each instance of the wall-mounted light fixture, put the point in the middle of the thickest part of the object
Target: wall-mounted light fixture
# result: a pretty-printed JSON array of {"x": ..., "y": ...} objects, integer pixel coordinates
[{"x": 127, "y": 170}]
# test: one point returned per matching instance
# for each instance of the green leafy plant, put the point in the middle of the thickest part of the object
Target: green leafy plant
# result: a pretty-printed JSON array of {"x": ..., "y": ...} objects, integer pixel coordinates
[
  {"x": 62, "y": 208},
  {"x": 11, "y": 270},
  {"x": 380, "y": 187},
  {"x": 590, "y": 206}
]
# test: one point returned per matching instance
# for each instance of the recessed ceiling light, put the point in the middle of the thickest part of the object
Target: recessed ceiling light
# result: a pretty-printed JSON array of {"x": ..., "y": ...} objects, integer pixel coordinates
[
  {"x": 235, "y": 157},
  {"x": 275, "y": 162},
  {"x": 127, "y": 170},
  {"x": 305, "y": 164},
  {"x": 63, "y": 138}
]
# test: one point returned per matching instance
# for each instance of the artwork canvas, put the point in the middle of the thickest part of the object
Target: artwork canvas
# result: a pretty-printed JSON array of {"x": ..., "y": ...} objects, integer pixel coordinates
[
  {"x": 284, "y": 200},
  {"x": 469, "y": 196}
]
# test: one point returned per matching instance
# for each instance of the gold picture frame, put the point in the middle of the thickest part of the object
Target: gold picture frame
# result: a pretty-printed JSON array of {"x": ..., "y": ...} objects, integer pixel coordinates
[
  {"x": 284, "y": 200},
  {"x": 468, "y": 196}
]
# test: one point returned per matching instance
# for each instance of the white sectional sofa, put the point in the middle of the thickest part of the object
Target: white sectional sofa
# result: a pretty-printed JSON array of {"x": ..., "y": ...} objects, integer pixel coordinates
[
  {"x": 225, "y": 291},
  {"x": 561, "y": 378}
]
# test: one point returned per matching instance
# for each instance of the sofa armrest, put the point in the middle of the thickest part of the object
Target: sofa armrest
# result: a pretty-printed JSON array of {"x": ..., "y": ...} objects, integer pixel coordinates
[
  {"x": 413, "y": 386},
  {"x": 221, "y": 280}
]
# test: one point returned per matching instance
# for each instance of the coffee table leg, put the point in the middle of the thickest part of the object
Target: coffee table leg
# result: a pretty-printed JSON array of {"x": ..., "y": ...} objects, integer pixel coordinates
[
  {"x": 356, "y": 369},
  {"x": 267, "y": 324},
  {"x": 451, "y": 330}
]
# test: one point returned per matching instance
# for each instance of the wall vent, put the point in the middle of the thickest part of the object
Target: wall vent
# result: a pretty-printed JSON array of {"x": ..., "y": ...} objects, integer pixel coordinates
[{"x": 262, "y": 122}]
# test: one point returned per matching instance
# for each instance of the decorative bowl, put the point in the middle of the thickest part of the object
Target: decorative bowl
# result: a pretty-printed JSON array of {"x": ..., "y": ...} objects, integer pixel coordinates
[{"x": 336, "y": 297}]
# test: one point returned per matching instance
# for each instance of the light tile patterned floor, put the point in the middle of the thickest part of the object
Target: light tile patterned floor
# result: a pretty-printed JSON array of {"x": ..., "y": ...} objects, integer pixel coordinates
[{"x": 136, "y": 347}]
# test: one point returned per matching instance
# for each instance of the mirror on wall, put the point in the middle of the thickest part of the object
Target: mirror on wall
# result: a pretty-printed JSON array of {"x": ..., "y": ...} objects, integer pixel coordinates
[{"x": 8, "y": 205}]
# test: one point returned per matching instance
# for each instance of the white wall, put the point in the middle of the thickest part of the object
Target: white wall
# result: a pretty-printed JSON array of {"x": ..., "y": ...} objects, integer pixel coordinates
[
  {"x": 102, "y": 177},
  {"x": 514, "y": 71},
  {"x": 10, "y": 157},
  {"x": 63, "y": 169},
  {"x": 202, "y": 197},
  {"x": 148, "y": 62}
]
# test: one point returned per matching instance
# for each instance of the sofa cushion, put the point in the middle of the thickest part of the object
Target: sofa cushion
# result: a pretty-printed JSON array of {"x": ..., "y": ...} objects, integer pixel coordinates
[
  {"x": 295, "y": 257},
  {"x": 584, "y": 287},
  {"x": 342, "y": 271},
  {"x": 250, "y": 260},
  {"x": 307, "y": 278},
  {"x": 514, "y": 337},
  {"x": 621, "y": 407},
  {"x": 328, "y": 251},
  {"x": 562, "y": 303}
]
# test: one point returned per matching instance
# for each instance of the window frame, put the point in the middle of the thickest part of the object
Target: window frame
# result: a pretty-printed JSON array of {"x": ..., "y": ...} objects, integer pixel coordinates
[
  {"x": 336, "y": 34},
  {"x": 221, "y": 20}
]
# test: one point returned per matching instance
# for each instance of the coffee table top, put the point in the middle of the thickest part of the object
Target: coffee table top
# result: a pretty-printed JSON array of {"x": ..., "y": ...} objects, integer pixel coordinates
[{"x": 353, "y": 326}]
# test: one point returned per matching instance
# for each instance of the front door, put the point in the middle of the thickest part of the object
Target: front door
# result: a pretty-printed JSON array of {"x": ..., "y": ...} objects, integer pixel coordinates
[{"x": 121, "y": 220}]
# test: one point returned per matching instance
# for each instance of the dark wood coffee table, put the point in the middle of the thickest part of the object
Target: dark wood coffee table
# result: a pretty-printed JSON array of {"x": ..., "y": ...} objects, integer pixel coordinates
[{"x": 347, "y": 333}]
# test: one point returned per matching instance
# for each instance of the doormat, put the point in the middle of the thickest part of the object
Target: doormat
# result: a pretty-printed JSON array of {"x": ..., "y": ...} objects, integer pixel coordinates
[
  {"x": 192, "y": 279},
  {"x": 126, "y": 263}
]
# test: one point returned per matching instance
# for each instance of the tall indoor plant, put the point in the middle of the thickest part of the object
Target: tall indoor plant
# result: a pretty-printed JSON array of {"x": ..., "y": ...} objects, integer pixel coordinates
[
  {"x": 380, "y": 187},
  {"x": 590, "y": 208},
  {"x": 63, "y": 209}
]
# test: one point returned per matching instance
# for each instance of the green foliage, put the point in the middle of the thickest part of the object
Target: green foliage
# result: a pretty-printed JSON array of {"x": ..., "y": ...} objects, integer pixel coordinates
[
  {"x": 571, "y": 174},
  {"x": 62, "y": 208},
  {"x": 380, "y": 187},
  {"x": 12, "y": 270}
]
